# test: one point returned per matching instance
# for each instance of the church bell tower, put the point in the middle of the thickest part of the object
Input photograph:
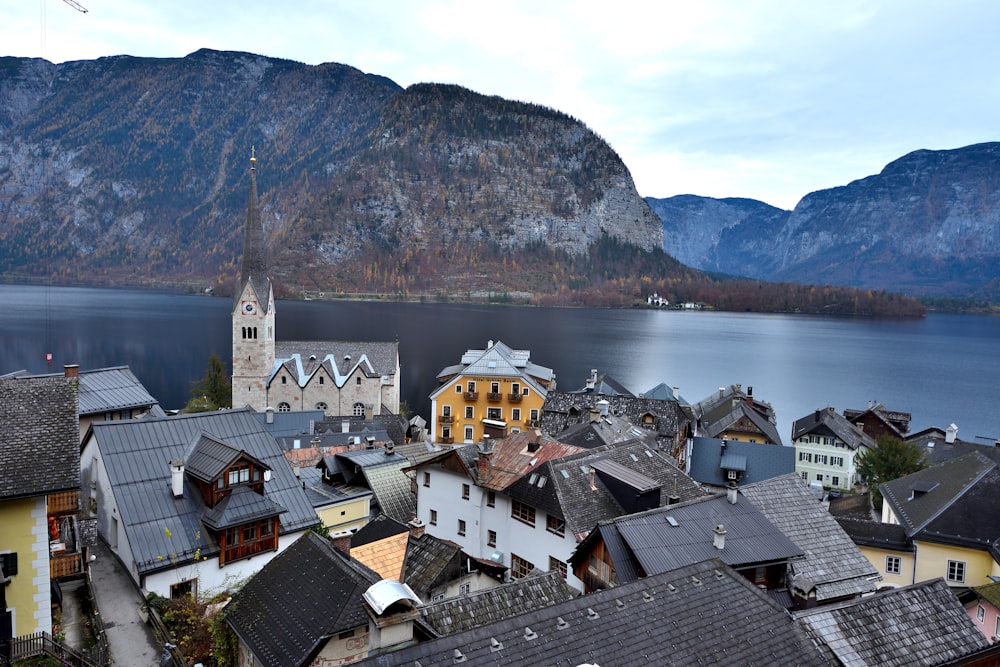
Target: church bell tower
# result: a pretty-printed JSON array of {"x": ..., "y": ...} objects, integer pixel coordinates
[{"x": 253, "y": 312}]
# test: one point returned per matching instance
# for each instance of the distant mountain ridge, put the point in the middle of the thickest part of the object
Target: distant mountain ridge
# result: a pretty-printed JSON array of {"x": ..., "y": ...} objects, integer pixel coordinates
[{"x": 927, "y": 225}]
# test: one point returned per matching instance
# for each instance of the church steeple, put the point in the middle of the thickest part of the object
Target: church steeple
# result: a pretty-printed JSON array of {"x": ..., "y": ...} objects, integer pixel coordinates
[{"x": 254, "y": 267}]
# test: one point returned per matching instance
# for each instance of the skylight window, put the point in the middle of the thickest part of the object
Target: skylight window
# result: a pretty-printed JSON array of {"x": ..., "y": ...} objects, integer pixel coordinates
[{"x": 565, "y": 474}]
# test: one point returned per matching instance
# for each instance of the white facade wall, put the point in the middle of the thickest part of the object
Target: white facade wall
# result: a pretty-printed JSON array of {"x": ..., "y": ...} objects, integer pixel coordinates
[
  {"x": 532, "y": 543},
  {"x": 829, "y": 461}
]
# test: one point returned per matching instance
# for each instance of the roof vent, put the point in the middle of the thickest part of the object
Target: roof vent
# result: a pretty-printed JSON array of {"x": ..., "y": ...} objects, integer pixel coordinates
[
  {"x": 671, "y": 588},
  {"x": 647, "y": 596},
  {"x": 561, "y": 623},
  {"x": 495, "y": 645},
  {"x": 696, "y": 581},
  {"x": 530, "y": 634},
  {"x": 312, "y": 357},
  {"x": 591, "y": 614},
  {"x": 347, "y": 357},
  {"x": 620, "y": 603},
  {"x": 457, "y": 657}
]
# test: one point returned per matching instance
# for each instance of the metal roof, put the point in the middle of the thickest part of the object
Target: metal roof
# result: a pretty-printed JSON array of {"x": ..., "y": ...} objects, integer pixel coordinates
[
  {"x": 383, "y": 594},
  {"x": 108, "y": 389},
  {"x": 239, "y": 507}
]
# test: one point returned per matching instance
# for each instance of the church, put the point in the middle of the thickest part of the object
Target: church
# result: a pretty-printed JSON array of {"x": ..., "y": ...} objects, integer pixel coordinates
[{"x": 340, "y": 378}]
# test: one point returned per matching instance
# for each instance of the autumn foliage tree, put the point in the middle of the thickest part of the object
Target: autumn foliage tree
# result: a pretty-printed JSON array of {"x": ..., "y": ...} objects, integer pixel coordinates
[{"x": 890, "y": 458}]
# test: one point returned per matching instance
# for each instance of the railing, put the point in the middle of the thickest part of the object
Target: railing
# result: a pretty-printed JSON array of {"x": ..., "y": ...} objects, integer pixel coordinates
[
  {"x": 447, "y": 441},
  {"x": 249, "y": 548},
  {"x": 42, "y": 643},
  {"x": 494, "y": 396},
  {"x": 65, "y": 565},
  {"x": 447, "y": 419},
  {"x": 162, "y": 635},
  {"x": 514, "y": 398},
  {"x": 471, "y": 395},
  {"x": 65, "y": 502}
]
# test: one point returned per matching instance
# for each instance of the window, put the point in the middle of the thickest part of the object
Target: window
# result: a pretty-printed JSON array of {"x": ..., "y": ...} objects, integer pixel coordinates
[
  {"x": 805, "y": 477},
  {"x": 522, "y": 512},
  {"x": 515, "y": 415},
  {"x": 458, "y": 389},
  {"x": 445, "y": 432},
  {"x": 837, "y": 461},
  {"x": 284, "y": 380},
  {"x": 997, "y": 629},
  {"x": 232, "y": 536},
  {"x": 461, "y": 527},
  {"x": 534, "y": 414},
  {"x": 465, "y": 492},
  {"x": 956, "y": 571},
  {"x": 358, "y": 381},
  {"x": 8, "y": 562},
  {"x": 555, "y": 525},
  {"x": 821, "y": 458},
  {"x": 494, "y": 387},
  {"x": 470, "y": 412},
  {"x": 805, "y": 456},
  {"x": 465, "y": 588},
  {"x": 731, "y": 474},
  {"x": 519, "y": 567},
  {"x": 494, "y": 413},
  {"x": 491, "y": 499},
  {"x": 468, "y": 433},
  {"x": 187, "y": 587},
  {"x": 471, "y": 386},
  {"x": 250, "y": 532},
  {"x": 321, "y": 378},
  {"x": 515, "y": 388},
  {"x": 358, "y": 410},
  {"x": 980, "y": 613},
  {"x": 819, "y": 477},
  {"x": 892, "y": 564},
  {"x": 491, "y": 538},
  {"x": 427, "y": 479},
  {"x": 835, "y": 481},
  {"x": 434, "y": 518},
  {"x": 267, "y": 527},
  {"x": 321, "y": 405},
  {"x": 446, "y": 411},
  {"x": 284, "y": 407},
  {"x": 556, "y": 565}
]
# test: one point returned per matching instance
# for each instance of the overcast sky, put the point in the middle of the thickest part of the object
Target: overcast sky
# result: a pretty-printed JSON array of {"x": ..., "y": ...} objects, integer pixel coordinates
[{"x": 744, "y": 98}]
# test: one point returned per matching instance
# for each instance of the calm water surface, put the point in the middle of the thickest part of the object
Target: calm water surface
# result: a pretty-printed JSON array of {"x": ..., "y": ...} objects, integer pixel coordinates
[{"x": 941, "y": 368}]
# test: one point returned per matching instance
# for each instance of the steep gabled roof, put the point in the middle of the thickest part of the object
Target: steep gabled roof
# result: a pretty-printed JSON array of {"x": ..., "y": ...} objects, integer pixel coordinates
[
  {"x": 928, "y": 626},
  {"x": 499, "y": 361},
  {"x": 920, "y": 498},
  {"x": 703, "y": 614},
  {"x": 384, "y": 474},
  {"x": 723, "y": 421},
  {"x": 39, "y": 436},
  {"x": 162, "y": 529},
  {"x": 499, "y": 603},
  {"x": 210, "y": 457},
  {"x": 303, "y": 597},
  {"x": 826, "y": 422},
  {"x": 253, "y": 270},
  {"x": 427, "y": 560},
  {"x": 109, "y": 389},
  {"x": 519, "y": 455},
  {"x": 340, "y": 359},
  {"x": 833, "y": 565}
]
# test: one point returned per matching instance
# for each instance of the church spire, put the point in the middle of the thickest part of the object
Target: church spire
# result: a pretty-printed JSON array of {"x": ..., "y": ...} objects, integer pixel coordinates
[{"x": 254, "y": 267}]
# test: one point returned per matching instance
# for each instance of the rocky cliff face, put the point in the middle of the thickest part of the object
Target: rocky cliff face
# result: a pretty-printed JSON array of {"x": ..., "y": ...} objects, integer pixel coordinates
[
  {"x": 135, "y": 169},
  {"x": 928, "y": 225}
]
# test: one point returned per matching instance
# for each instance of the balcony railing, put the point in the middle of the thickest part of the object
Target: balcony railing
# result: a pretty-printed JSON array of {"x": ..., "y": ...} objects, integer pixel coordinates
[
  {"x": 448, "y": 441},
  {"x": 249, "y": 548},
  {"x": 65, "y": 565},
  {"x": 471, "y": 395},
  {"x": 65, "y": 502},
  {"x": 494, "y": 396},
  {"x": 447, "y": 419},
  {"x": 514, "y": 398}
]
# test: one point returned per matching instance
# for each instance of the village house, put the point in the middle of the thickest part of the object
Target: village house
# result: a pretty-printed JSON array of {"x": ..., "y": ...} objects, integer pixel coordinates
[
  {"x": 192, "y": 503},
  {"x": 734, "y": 414},
  {"x": 876, "y": 420},
  {"x": 983, "y": 606},
  {"x": 525, "y": 501},
  {"x": 335, "y": 377},
  {"x": 39, "y": 487},
  {"x": 827, "y": 446},
  {"x": 490, "y": 393},
  {"x": 717, "y": 463}
]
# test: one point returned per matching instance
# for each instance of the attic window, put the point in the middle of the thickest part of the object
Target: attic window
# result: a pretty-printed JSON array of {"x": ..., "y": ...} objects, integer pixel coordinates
[
  {"x": 672, "y": 521},
  {"x": 565, "y": 474},
  {"x": 649, "y": 453}
]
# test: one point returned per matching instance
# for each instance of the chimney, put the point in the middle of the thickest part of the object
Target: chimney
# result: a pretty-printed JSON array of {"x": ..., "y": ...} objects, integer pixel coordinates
[
  {"x": 750, "y": 396},
  {"x": 731, "y": 494},
  {"x": 950, "y": 433},
  {"x": 369, "y": 442},
  {"x": 723, "y": 446},
  {"x": 177, "y": 477},
  {"x": 342, "y": 544},
  {"x": 390, "y": 447},
  {"x": 602, "y": 405},
  {"x": 484, "y": 467},
  {"x": 312, "y": 426},
  {"x": 416, "y": 528},
  {"x": 719, "y": 537},
  {"x": 269, "y": 412},
  {"x": 592, "y": 380},
  {"x": 595, "y": 415},
  {"x": 295, "y": 468},
  {"x": 71, "y": 370}
]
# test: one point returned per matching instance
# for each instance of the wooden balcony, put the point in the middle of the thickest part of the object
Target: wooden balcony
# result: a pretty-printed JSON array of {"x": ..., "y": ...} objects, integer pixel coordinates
[
  {"x": 248, "y": 549},
  {"x": 448, "y": 441},
  {"x": 514, "y": 398},
  {"x": 471, "y": 395},
  {"x": 494, "y": 396},
  {"x": 65, "y": 565},
  {"x": 447, "y": 419},
  {"x": 66, "y": 502}
]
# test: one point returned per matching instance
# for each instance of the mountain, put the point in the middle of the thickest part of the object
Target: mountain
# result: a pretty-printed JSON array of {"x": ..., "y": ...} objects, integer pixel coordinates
[
  {"x": 134, "y": 170},
  {"x": 927, "y": 225}
]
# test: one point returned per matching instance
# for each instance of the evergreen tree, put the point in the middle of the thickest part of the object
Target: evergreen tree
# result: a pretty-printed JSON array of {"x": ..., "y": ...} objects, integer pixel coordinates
[
  {"x": 890, "y": 459},
  {"x": 213, "y": 391}
]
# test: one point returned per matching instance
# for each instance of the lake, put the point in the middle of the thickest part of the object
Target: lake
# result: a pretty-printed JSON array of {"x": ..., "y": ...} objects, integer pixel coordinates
[{"x": 941, "y": 368}]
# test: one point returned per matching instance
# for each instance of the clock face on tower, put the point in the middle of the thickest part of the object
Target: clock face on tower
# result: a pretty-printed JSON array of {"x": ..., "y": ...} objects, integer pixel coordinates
[{"x": 249, "y": 307}]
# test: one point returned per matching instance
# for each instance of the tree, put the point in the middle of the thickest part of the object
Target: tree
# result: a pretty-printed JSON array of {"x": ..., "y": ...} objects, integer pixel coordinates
[
  {"x": 890, "y": 458},
  {"x": 213, "y": 391}
]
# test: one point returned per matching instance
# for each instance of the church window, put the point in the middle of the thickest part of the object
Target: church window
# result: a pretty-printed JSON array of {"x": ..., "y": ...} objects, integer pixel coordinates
[
  {"x": 358, "y": 410},
  {"x": 284, "y": 379},
  {"x": 359, "y": 381},
  {"x": 321, "y": 379},
  {"x": 255, "y": 333},
  {"x": 321, "y": 406},
  {"x": 284, "y": 407}
]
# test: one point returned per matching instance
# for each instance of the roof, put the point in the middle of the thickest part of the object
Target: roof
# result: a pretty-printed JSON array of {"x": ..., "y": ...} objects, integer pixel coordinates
[
  {"x": 321, "y": 494},
  {"x": 39, "y": 436},
  {"x": 876, "y": 534},
  {"x": 499, "y": 361},
  {"x": 381, "y": 546},
  {"x": 989, "y": 592},
  {"x": 340, "y": 359},
  {"x": 832, "y": 564},
  {"x": 922, "y": 624},
  {"x": 137, "y": 454},
  {"x": 518, "y": 455},
  {"x": 605, "y": 430},
  {"x": 663, "y": 392},
  {"x": 897, "y": 422},
  {"x": 298, "y": 422},
  {"x": 562, "y": 487},
  {"x": 604, "y": 385},
  {"x": 210, "y": 458},
  {"x": 305, "y": 595},
  {"x": 666, "y": 538},
  {"x": 721, "y": 410},
  {"x": 933, "y": 442},
  {"x": 383, "y": 474},
  {"x": 665, "y": 418},
  {"x": 695, "y": 615},
  {"x": 253, "y": 270},
  {"x": 427, "y": 559},
  {"x": 107, "y": 389},
  {"x": 499, "y": 603},
  {"x": 827, "y": 422},
  {"x": 921, "y": 497},
  {"x": 241, "y": 506},
  {"x": 759, "y": 461}
]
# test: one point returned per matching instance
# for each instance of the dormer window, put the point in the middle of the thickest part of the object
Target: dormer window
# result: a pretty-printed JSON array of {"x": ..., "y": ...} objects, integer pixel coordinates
[{"x": 239, "y": 475}]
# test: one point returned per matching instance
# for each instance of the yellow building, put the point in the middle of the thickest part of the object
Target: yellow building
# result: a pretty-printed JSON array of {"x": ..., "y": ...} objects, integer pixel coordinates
[
  {"x": 39, "y": 466},
  {"x": 492, "y": 392}
]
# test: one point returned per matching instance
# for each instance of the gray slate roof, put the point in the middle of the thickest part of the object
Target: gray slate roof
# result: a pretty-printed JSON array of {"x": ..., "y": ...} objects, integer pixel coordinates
[
  {"x": 761, "y": 461},
  {"x": 340, "y": 358},
  {"x": 651, "y": 543},
  {"x": 137, "y": 457},
  {"x": 497, "y": 604},
  {"x": 876, "y": 534},
  {"x": 713, "y": 616},
  {"x": 826, "y": 422},
  {"x": 39, "y": 437},
  {"x": 662, "y": 417},
  {"x": 383, "y": 474},
  {"x": 427, "y": 562},
  {"x": 290, "y": 423},
  {"x": 922, "y": 624},
  {"x": 722, "y": 409},
  {"x": 303, "y": 597},
  {"x": 608, "y": 430},
  {"x": 832, "y": 563}
]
